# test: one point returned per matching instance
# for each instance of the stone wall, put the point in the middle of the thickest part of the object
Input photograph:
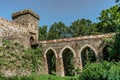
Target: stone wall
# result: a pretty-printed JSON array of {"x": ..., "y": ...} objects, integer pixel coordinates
[
  {"x": 24, "y": 27},
  {"x": 14, "y": 31}
]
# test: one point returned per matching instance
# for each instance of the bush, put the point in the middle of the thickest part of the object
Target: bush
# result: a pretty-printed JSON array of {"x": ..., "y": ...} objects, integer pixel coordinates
[
  {"x": 101, "y": 71},
  {"x": 16, "y": 78}
]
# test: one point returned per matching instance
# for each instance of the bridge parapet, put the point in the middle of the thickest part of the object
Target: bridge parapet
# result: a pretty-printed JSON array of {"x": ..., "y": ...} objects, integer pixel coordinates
[{"x": 78, "y": 38}]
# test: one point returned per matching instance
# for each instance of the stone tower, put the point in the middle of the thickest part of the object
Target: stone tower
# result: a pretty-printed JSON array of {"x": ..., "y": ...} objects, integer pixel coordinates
[{"x": 30, "y": 20}]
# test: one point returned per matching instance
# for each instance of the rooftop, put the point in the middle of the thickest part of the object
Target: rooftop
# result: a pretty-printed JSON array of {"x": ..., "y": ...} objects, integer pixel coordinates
[{"x": 28, "y": 11}]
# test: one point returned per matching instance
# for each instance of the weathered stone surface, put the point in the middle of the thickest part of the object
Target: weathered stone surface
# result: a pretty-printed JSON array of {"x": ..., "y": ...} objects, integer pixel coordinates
[
  {"x": 76, "y": 45},
  {"x": 24, "y": 28}
]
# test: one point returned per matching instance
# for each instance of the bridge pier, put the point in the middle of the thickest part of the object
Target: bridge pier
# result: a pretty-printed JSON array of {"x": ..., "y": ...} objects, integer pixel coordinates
[
  {"x": 45, "y": 66},
  {"x": 59, "y": 67},
  {"x": 78, "y": 60}
]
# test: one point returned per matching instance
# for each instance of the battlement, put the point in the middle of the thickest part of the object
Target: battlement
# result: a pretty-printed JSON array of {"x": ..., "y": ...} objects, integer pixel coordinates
[
  {"x": 11, "y": 23},
  {"x": 28, "y": 11}
]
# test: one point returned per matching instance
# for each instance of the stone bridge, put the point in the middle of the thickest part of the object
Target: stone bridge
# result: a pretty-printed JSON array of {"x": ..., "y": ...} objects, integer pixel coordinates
[{"x": 76, "y": 46}]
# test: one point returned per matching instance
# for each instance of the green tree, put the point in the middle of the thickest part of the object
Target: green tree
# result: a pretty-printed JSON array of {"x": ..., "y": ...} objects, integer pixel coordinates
[
  {"x": 57, "y": 31},
  {"x": 117, "y": 1},
  {"x": 109, "y": 20},
  {"x": 114, "y": 47},
  {"x": 92, "y": 30},
  {"x": 82, "y": 27},
  {"x": 43, "y": 32}
]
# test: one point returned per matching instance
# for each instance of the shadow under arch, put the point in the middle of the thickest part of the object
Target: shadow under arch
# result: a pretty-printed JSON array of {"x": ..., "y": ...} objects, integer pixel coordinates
[
  {"x": 31, "y": 40},
  {"x": 68, "y": 61},
  {"x": 50, "y": 56},
  {"x": 106, "y": 53},
  {"x": 88, "y": 53}
]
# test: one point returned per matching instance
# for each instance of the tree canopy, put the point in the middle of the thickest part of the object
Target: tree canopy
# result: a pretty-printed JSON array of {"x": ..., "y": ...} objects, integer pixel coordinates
[
  {"x": 109, "y": 20},
  {"x": 57, "y": 31}
]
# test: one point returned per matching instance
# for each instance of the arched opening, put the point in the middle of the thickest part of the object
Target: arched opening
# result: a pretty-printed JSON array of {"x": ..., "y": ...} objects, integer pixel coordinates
[
  {"x": 34, "y": 46},
  {"x": 87, "y": 55},
  {"x": 106, "y": 53},
  {"x": 51, "y": 62},
  {"x": 68, "y": 62},
  {"x": 31, "y": 39}
]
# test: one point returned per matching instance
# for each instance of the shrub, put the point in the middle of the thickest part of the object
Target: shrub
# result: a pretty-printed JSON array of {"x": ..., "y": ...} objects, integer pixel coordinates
[
  {"x": 101, "y": 71},
  {"x": 17, "y": 78}
]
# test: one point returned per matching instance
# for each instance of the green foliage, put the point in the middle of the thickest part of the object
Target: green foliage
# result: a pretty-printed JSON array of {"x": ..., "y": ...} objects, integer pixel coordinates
[
  {"x": 57, "y": 31},
  {"x": 51, "y": 61},
  {"x": 115, "y": 47},
  {"x": 16, "y": 78},
  {"x": 101, "y": 71},
  {"x": 108, "y": 41},
  {"x": 68, "y": 61},
  {"x": 117, "y": 1},
  {"x": 114, "y": 72},
  {"x": 109, "y": 20},
  {"x": 52, "y": 77},
  {"x": 37, "y": 77},
  {"x": 82, "y": 27},
  {"x": 34, "y": 55},
  {"x": 43, "y": 32},
  {"x": 14, "y": 55},
  {"x": 87, "y": 55}
]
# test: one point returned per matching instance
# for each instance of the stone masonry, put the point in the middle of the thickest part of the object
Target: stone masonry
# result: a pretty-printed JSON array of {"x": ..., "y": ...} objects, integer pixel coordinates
[
  {"x": 24, "y": 27},
  {"x": 76, "y": 45}
]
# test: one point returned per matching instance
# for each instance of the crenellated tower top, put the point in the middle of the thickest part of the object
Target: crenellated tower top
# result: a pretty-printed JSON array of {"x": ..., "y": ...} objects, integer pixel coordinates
[{"x": 30, "y": 20}]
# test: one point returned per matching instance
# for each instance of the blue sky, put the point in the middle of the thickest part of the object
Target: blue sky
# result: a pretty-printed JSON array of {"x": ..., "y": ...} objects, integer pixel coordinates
[{"x": 51, "y": 11}]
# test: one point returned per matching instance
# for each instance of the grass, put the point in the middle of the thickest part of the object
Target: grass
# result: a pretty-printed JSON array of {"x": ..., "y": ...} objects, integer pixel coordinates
[
  {"x": 52, "y": 77},
  {"x": 38, "y": 77}
]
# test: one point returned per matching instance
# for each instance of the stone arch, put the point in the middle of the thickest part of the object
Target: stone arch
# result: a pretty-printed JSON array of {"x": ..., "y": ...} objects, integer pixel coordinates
[
  {"x": 50, "y": 48},
  {"x": 31, "y": 39},
  {"x": 60, "y": 55},
  {"x": 87, "y": 47},
  {"x": 50, "y": 57},
  {"x": 63, "y": 60}
]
